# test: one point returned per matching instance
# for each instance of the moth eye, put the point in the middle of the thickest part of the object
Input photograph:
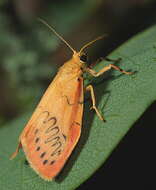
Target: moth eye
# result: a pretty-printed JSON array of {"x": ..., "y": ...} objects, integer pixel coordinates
[{"x": 83, "y": 58}]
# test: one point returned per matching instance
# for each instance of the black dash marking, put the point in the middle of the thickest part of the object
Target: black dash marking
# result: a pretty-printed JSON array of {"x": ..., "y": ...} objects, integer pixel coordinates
[
  {"x": 45, "y": 161},
  {"x": 43, "y": 154},
  {"x": 77, "y": 123},
  {"x": 64, "y": 136},
  {"x": 68, "y": 102},
  {"x": 37, "y": 139},
  {"x": 52, "y": 162},
  {"x": 38, "y": 148},
  {"x": 36, "y": 131}
]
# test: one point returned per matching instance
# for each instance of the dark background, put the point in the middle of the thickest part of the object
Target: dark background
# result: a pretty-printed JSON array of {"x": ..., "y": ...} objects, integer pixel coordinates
[
  {"x": 28, "y": 52},
  {"x": 132, "y": 164}
]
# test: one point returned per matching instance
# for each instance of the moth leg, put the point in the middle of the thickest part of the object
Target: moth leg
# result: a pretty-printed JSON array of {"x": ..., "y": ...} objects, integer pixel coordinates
[
  {"x": 106, "y": 59},
  {"x": 107, "y": 68},
  {"x": 90, "y": 88},
  {"x": 16, "y": 151}
]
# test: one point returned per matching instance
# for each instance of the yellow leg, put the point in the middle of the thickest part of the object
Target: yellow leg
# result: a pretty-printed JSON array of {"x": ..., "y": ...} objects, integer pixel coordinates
[
  {"x": 16, "y": 151},
  {"x": 90, "y": 88},
  {"x": 96, "y": 74},
  {"x": 106, "y": 68}
]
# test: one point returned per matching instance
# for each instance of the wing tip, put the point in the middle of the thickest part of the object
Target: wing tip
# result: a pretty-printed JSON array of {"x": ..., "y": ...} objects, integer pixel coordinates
[{"x": 42, "y": 176}]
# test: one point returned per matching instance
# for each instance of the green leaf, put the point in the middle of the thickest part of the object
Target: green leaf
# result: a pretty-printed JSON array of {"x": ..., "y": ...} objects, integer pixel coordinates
[{"x": 121, "y": 98}]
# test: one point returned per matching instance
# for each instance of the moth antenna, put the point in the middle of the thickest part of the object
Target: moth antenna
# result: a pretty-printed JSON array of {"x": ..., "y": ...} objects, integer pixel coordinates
[
  {"x": 58, "y": 35},
  {"x": 89, "y": 43}
]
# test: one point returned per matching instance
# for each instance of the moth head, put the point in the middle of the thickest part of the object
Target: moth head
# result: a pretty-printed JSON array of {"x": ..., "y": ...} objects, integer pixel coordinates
[{"x": 77, "y": 55}]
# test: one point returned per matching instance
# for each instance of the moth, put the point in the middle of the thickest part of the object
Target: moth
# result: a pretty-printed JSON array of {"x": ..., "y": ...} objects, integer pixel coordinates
[{"x": 54, "y": 129}]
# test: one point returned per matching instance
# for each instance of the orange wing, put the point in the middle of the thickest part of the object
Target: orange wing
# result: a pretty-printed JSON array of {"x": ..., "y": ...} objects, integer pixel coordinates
[{"x": 54, "y": 129}]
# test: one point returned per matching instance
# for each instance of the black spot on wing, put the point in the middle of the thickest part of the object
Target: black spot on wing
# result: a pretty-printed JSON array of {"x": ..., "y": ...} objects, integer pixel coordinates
[
  {"x": 37, "y": 139},
  {"x": 45, "y": 162},
  {"x": 36, "y": 131},
  {"x": 38, "y": 148},
  {"x": 52, "y": 162},
  {"x": 65, "y": 137},
  {"x": 42, "y": 155}
]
